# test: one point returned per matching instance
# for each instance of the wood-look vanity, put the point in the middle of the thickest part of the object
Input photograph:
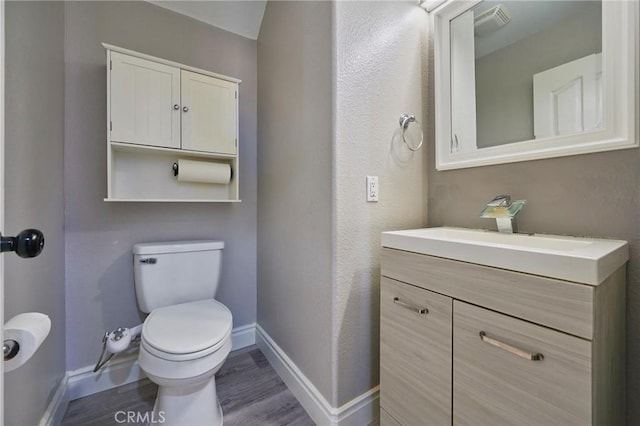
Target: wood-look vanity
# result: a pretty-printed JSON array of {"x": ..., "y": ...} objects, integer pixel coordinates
[{"x": 466, "y": 344}]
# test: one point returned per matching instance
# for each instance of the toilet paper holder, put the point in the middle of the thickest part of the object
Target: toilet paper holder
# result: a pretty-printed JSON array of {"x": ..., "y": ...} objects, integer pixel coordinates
[
  {"x": 23, "y": 336},
  {"x": 10, "y": 349},
  {"x": 176, "y": 169}
]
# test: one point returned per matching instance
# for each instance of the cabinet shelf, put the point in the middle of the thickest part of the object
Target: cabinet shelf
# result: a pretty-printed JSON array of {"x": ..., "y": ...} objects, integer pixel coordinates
[
  {"x": 129, "y": 147},
  {"x": 172, "y": 200},
  {"x": 146, "y": 174}
]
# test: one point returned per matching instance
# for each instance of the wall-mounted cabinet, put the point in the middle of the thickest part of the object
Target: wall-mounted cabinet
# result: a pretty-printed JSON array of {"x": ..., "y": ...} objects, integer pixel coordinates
[{"x": 161, "y": 113}]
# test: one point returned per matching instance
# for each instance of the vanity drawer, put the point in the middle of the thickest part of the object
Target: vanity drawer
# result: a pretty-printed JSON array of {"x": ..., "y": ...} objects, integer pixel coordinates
[
  {"x": 495, "y": 386},
  {"x": 415, "y": 354},
  {"x": 557, "y": 304}
]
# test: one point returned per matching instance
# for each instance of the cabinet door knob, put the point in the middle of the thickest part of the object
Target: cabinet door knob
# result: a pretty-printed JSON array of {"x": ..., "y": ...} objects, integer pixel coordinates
[
  {"x": 176, "y": 107},
  {"x": 185, "y": 109}
]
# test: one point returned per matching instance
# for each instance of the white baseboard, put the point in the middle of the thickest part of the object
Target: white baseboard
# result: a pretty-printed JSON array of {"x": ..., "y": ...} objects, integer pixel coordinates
[
  {"x": 243, "y": 336},
  {"x": 121, "y": 371},
  {"x": 58, "y": 405},
  {"x": 362, "y": 410}
]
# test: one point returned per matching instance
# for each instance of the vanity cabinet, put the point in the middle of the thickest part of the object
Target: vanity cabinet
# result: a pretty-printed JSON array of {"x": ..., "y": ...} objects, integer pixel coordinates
[
  {"x": 502, "y": 347},
  {"x": 160, "y": 112},
  {"x": 419, "y": 320}
]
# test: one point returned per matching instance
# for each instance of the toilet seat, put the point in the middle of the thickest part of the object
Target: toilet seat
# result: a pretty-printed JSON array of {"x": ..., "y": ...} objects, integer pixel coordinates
[{"x": 187, "y": 331}]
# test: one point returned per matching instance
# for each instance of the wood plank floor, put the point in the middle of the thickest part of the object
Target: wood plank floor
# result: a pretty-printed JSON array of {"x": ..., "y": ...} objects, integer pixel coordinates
[{"x": 249, "y": 389}]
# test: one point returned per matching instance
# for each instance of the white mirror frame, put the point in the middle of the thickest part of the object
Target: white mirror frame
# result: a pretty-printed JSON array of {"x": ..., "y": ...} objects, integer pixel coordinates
[{"x": 620, "y": 46}]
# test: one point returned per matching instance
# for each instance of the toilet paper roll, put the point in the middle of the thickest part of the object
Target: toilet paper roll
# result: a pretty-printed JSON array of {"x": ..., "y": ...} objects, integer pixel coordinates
[
  {"x": 29, "y": 330},
  {"x": 203, "y": 172}
]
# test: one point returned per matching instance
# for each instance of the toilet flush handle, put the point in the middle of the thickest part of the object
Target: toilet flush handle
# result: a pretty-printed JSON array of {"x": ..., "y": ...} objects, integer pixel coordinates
[{"x": 149, "y": 260}]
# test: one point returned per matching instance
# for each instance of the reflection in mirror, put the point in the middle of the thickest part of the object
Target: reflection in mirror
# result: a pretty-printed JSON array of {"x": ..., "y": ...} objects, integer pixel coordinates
[
  {"x": 525, "y": 70},
  {"x": 563, "y": 83}
]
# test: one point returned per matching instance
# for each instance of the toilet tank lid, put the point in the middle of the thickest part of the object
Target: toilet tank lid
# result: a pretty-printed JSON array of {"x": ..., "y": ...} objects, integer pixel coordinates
[{"x": 177, "y": 246}]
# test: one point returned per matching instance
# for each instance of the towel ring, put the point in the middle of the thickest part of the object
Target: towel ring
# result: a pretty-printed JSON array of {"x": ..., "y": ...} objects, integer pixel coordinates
[{"x": 405, "y": 120}]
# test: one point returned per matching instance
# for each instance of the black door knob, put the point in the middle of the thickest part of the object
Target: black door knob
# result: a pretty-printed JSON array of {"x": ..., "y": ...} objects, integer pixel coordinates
[{"x": 28, "y": 243}]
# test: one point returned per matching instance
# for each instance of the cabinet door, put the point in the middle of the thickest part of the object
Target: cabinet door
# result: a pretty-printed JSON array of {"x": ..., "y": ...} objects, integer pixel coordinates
[
  {"x": 210, "y": 114},
  {"x": 386, "y": 419},
  {"x": 415, "y": 354},
  {"x": 495, "y": 383},
  {"x": 144, "y": 102}
]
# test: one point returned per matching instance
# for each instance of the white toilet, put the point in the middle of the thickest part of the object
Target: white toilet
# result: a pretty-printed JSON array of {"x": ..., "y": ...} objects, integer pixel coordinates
[{"x": 187, "y": 335}]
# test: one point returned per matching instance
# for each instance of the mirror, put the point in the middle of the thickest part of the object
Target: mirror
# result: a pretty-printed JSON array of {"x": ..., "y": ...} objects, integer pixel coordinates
[
  {"x": 522, "y": 80},
  {"x": 537, "y": 65}
]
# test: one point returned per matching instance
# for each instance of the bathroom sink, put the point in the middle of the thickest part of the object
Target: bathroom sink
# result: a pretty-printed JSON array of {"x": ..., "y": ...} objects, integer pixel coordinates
[{"x": 584, "y": 260}]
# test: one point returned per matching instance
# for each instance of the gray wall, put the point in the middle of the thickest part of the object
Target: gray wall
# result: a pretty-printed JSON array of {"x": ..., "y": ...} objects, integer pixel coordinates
[
  {"x": 588, "y": 195},
  {"x": 295, "y": 208},
  {"x": 320, "y": 136},
  {"x": 504, "y": 78},
  {"x": 34, "y": 194},
  {"x": 378, "y": 78},
  {"x": 99, "y": 236}
]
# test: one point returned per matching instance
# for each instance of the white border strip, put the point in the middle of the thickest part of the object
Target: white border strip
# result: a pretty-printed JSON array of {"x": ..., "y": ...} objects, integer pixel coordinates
[
  {"x": 243, "y": 336},
  {"x": 125, "y": 369},
  {"x": 54, "y": 413},
  {"x": 362, "y": 410}
]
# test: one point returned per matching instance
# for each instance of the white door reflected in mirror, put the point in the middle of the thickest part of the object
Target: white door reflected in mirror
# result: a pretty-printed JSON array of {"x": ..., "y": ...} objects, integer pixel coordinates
[{"x": 568, "y": 98}]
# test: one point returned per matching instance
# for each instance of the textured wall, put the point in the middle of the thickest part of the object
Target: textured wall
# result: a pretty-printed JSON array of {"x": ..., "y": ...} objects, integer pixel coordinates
[
  {"x": 380, "y": 72},
  {"x": 34, "y": 138},
  {"x": 295, "y": 186},
  {"x": 319, "y": 251},
  {"x": 99, "y": 236},
  {"x": 586, "y": 195}
]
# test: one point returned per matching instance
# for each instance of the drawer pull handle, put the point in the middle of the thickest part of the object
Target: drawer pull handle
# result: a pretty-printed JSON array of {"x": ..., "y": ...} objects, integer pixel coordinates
[
  {"x": 417, "y": 309},
  {"x": 521, "y": 353}
]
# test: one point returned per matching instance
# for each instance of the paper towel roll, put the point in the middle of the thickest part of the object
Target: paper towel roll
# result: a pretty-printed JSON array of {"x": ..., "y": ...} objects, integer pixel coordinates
[
  {"x": 203, "y": 172},
  {"x": 29, "y": 330}
]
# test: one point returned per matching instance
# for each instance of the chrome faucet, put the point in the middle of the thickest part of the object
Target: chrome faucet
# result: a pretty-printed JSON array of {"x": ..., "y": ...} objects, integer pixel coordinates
[{"x": 504, "y": 211}]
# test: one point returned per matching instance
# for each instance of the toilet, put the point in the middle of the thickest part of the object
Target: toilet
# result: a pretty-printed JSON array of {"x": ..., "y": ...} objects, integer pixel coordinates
[{"x": 187, "y": 335}]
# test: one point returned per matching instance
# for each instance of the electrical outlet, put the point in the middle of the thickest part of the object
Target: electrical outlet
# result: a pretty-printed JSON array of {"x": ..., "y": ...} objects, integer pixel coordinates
[{"x": 373, "y": 190}]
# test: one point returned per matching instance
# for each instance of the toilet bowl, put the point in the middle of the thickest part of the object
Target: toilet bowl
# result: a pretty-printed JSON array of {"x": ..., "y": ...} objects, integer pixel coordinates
[
  {"x": 181, "y": 349},
  {"x": 183, "y": 343}
]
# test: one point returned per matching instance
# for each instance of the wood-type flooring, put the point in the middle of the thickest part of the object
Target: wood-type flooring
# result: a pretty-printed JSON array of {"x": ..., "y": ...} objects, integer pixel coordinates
[{"x": 250, "y": 391}]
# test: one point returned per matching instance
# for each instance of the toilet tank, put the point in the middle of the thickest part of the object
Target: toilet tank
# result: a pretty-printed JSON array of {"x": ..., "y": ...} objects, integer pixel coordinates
[{"x": 174, "y": 272}]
